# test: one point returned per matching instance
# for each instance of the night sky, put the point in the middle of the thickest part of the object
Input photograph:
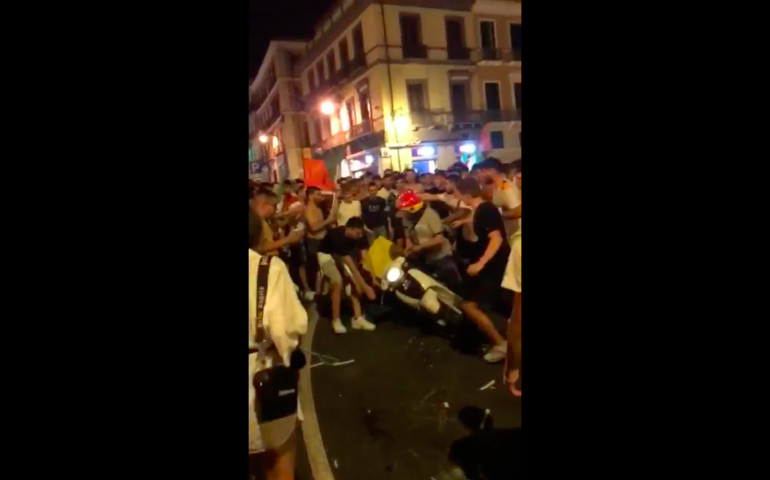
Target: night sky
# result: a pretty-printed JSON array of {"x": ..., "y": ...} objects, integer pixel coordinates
[{"x": 280, "y": 20}]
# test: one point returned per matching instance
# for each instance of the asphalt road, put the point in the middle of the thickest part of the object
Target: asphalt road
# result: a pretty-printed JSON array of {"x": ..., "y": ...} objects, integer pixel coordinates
[{"x": 410, "y": 406}]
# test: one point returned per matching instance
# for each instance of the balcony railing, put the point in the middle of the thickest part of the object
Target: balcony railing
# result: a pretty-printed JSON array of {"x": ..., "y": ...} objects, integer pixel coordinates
[
  {"x": 434, "y": 118},
  {"x": 489, "y": 54},
  {"x": 335, "y": 140},
  {"x": 414, "y": 51},
  {"x": 341, "y": 138},
  {"x": 361, "y": 129},
  {"x": 458, "y": 53},
  {"x": 496, "y": 54}
]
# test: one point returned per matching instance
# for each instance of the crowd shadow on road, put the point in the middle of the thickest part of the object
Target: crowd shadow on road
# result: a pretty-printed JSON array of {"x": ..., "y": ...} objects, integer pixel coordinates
[{"x": 488, "y": 453}]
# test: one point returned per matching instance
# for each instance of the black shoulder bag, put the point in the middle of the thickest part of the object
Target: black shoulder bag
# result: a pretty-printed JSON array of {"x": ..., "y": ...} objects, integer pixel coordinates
[{"x": 276, "y": 387}]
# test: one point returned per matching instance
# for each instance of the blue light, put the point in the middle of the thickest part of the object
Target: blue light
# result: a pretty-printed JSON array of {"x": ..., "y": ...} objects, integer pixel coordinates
[{"x": 426, "y": 151}]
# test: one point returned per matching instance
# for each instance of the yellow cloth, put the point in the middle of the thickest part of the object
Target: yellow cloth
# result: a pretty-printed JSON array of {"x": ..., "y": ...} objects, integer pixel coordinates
[{"x": 378, "y": 257}]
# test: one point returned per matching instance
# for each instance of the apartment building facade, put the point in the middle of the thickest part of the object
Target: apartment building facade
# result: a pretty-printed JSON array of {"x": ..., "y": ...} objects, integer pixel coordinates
[
  {"x": 498, "y": 69},
  {"x": 277, "y": 129},
  {"x": 405, "y": 83}
]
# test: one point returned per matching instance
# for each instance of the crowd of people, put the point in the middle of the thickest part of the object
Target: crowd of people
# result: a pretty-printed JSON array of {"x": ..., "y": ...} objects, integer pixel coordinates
[{"x": 463, "y": 225}]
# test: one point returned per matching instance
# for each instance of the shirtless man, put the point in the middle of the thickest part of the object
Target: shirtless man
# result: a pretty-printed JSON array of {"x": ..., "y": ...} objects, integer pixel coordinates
[
  {"x": 411, "y": 181},
  {"x": 316, "y": 231}
]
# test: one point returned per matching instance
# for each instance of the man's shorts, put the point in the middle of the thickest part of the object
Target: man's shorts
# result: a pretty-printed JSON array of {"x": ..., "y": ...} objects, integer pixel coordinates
[
  {"x": 329, "y": 268},
  {"x": 481, "y": 289},
  {"x": 512, "y": 278}
]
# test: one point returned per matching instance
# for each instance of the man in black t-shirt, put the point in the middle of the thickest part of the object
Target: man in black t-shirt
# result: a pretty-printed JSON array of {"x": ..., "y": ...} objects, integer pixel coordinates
[
  {"x": 340, "y": 252},
  {"x": 373, "y": 210},
  {"x": 482, "y": 284}
]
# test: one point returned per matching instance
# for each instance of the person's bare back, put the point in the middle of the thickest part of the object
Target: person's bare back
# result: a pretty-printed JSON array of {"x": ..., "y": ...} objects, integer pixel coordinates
[{"x": 314, "y": 216}]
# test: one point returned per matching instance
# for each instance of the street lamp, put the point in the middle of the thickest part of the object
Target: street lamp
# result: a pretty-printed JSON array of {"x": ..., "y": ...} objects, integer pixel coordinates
[
  {"x": 263, "y": 138},
  {"x": 327, "y": 107}
]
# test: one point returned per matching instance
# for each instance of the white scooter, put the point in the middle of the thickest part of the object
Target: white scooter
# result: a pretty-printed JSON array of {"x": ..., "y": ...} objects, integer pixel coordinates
[{"x": 412, "y": 286}]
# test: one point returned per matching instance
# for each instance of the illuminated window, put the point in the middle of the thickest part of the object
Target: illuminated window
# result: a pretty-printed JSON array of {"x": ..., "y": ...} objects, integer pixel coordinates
[{"x": 344, "y": 117}]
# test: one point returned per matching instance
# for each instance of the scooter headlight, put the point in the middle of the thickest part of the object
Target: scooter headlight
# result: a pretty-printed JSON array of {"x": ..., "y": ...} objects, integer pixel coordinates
[{"x": 394, "y": 274}]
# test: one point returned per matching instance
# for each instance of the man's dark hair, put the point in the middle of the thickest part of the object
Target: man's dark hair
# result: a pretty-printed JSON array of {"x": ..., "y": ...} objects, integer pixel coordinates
[
  {"x": 439, "y": 173},
  {"x": 476, "y": 167},
  {"x": 355, "y": 222},
  {"x": 453, "y": 177},
  {"x": 255, "y": 229},
  {"x": 492, "y": 163},
  {"x": 469, "y": 186},
  {"x": 458, "y": 167},
  {"x": 312, "y": 190},
  {"x": 377, "y": 177},
  {"x": 515, "y": 165},
  {"x": 372, "y": 184},
  {"x": 299, "y": 182}
]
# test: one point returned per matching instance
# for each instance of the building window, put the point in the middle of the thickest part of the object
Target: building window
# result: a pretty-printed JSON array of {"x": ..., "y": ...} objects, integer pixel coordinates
[
  {"x": 351, "y": 108},
  {"x": 458, "y": 97},
  {"x": 296, "y": 100},
  {"x": 416, "y": 96},
  {"x": 517, "y": 95},
  {"x": 330, "y": 61},
  {"x": 319, "y": 71},
  {"x": 363, "y": 104},
  {"x": 317, "y": 130},
  {"x": 411, "y": 36},
  {"x": 496, "y": 139},
  {"x": 487, "y": 31},
  {"x": 515, "y": 32},
  {"x": 492, "y": 95},
  {"x": 344, "y": 52},
  {"x": 311, "y": 83},
  {"x": 304, "y": 134},
  {"x": 455, "y": 39},
  {"x": 358, "y": 42}
]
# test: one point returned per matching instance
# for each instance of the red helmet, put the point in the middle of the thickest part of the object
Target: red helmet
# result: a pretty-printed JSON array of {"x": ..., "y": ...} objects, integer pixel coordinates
[{"x": 408, "y": 201}]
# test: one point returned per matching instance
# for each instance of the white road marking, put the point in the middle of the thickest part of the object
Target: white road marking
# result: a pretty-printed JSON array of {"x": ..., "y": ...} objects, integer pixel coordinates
[{"x": 311, "y": 432}]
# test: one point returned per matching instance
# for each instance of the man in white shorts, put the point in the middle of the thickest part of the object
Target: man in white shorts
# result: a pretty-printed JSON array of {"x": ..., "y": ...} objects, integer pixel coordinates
[
  {"x": 512, "y": 281},
  {"x": 340, "y": 250}
]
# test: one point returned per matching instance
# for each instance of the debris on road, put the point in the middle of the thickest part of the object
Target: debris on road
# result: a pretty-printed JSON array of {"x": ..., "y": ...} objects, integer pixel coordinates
[
  {"x": 425, "y": 398},
  {"x": 483, "y": 420},
  {"x": 339, "y": 364},
  {"x": 487, "y": 385}
]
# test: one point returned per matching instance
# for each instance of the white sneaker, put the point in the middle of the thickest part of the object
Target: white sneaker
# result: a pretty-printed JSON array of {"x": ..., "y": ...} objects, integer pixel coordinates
[
  {"x": 339, "y": 327},
  {"x": 309, "y": 295},
  {"x": 497, "y": 353},
  {"x": 361, "y": 323}
]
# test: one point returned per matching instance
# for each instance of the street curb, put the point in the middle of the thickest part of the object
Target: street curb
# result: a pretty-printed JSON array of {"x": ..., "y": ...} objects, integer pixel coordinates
[{"x": 311, "y": 432}]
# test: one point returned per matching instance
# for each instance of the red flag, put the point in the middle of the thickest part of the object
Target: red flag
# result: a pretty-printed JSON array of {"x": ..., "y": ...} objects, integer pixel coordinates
[{"x": 316, "y": 174}]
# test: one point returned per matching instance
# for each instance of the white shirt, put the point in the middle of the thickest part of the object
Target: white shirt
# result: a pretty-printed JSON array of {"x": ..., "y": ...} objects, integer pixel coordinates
[
  {"x": 507, "y": 197},
  {"x": 284, "y": 316},
  {"x": 346, "y": 211},
  {"x": 285, "y": 320}
]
